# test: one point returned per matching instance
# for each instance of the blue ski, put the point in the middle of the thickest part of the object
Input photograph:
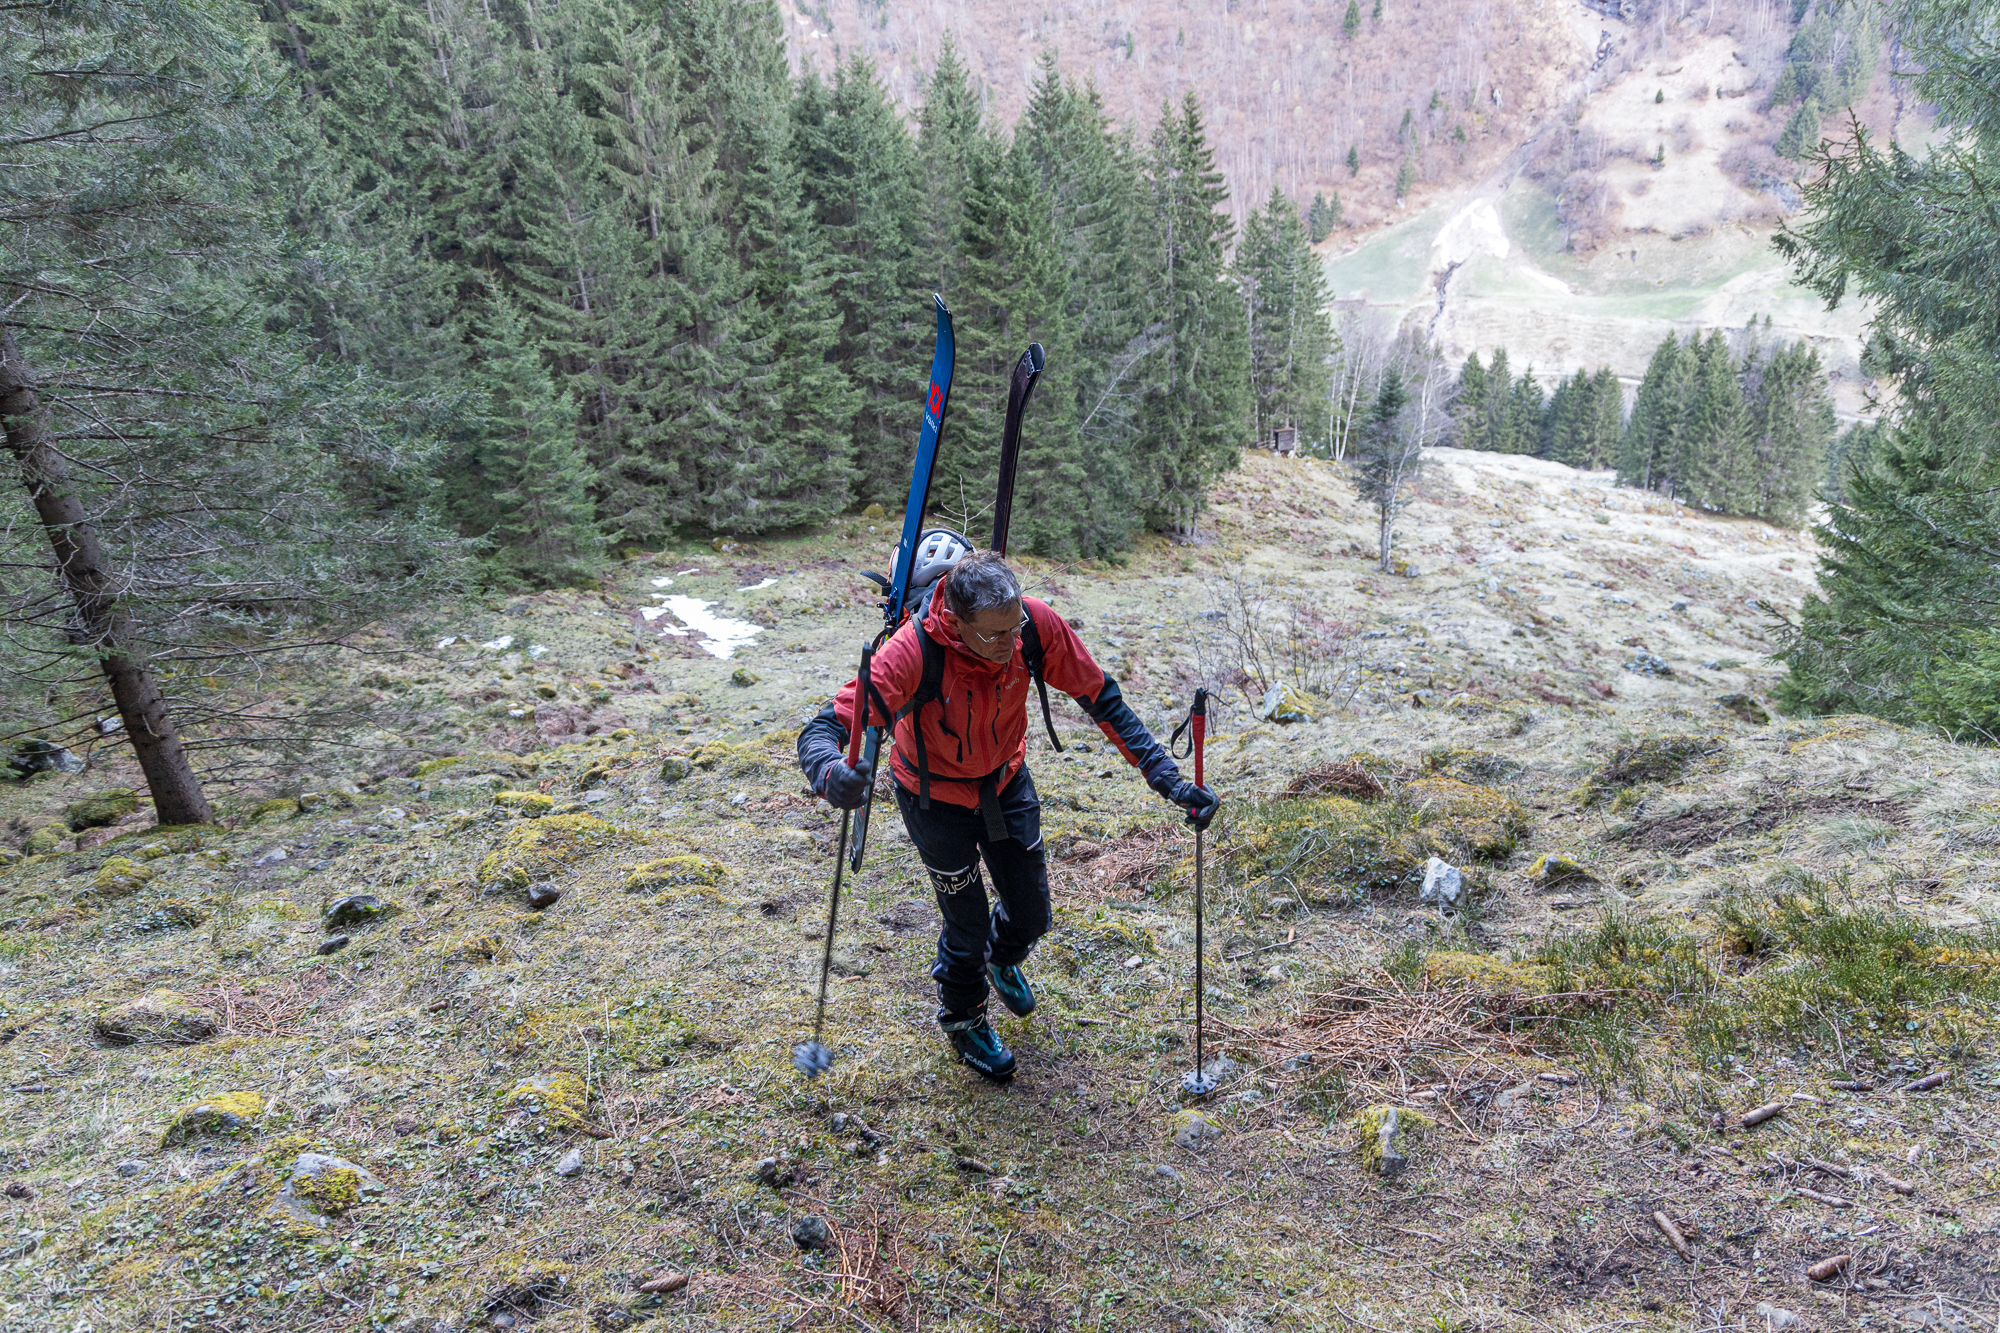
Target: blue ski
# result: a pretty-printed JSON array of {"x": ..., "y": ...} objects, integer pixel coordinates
[{"x": 895, "y": 605}]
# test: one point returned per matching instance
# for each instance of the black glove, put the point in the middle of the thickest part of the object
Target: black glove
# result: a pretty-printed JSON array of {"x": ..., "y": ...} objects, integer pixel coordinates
[
  {"x": 1199, "y": 802},
  {"x": 846, "y": 788}
]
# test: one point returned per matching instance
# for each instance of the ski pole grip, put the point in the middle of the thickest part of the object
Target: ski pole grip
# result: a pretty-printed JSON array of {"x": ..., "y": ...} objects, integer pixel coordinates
[
  {"x": 1198, "y": 716},
  {"x": 861, "y": 688}
]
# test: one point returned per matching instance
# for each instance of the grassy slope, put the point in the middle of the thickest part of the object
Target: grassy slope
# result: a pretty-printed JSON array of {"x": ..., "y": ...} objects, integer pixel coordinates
[{"x": 1044, "y": 1205}]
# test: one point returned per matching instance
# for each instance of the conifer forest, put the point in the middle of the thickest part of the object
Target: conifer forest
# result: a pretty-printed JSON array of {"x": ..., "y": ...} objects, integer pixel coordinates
[{"x": 1483, "y": 724}]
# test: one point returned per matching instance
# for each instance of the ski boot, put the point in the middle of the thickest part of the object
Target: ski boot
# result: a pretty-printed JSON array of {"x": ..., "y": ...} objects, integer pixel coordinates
[
  {"x": 980, "y": 1046},
  {"x": 1011, "y": 985}
]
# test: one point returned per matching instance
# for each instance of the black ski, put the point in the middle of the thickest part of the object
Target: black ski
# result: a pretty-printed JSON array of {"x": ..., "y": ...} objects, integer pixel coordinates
[{"x": 1027, "y": 371}]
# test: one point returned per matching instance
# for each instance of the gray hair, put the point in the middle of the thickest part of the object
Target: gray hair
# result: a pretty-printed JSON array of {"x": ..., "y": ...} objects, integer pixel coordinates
[{"x": 980, "y": 582}]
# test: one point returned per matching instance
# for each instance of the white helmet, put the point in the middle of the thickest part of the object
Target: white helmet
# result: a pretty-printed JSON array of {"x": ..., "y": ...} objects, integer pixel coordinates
[{"x": 937, "y": 551}]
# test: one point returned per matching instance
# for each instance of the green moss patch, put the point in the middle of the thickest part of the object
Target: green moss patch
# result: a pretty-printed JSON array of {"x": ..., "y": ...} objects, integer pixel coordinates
[
  {"x": 547, "y": 847},
  {"x": 675, "y": 872}
]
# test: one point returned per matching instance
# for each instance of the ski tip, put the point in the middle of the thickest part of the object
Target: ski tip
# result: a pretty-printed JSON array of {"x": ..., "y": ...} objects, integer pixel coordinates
[
  {"x": 811, "y": 1058},
  {"x": 1034, "y": 358},
  {"x": 942, "y": 308}
]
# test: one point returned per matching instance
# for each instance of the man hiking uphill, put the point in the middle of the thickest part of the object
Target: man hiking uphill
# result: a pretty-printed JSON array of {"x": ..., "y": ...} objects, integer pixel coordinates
[{"x": 961, "y": 776}]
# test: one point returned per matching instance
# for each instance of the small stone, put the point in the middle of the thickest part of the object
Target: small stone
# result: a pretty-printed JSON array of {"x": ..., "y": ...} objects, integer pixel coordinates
[
  {"x": 333, "y": 945},
  {"x": 571, "y": 1163},
  {"x": 1649, "y": 664},
  {"x": 1444, "y": 884},
  {"x": 131, "y": 1166},
  {"x": 1193, "y": 1131},
  {"x": 811, "y": 1233},
  {"x": 766, "y": 1171},
  {"x": 543, "y": 896},
  {"x": 1680, "y": 606},
  {"x": 1164, "y": 1172},
  {"x": 674, "y": 769},
  {"x": 355, "y": 909},
  {"x": 1777, "y": 1316},
  {"x": 273, "y": 857},
  {"x": 743, "y": 676}
]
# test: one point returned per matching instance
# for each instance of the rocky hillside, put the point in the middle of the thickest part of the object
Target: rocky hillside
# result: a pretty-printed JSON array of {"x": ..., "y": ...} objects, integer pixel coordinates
[{"x": 1695, "y": 1029}]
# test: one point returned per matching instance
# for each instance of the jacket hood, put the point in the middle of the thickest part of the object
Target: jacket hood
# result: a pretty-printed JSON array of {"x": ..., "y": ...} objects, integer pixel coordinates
[{"x": 941, "y": 630}]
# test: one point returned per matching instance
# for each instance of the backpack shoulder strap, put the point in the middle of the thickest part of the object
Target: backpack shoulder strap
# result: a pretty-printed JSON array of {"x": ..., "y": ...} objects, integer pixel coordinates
[
  {"x": 1031, "y": 651},
  {"x": 930, "y": 686}
]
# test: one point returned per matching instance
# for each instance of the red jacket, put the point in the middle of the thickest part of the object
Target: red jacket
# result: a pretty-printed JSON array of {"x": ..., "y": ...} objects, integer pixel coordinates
[{"x": 980, "y": 720}]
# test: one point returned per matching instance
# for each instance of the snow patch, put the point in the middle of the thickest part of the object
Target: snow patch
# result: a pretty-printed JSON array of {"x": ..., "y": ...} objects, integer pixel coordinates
[
  {"x": 663, "y": 583},
  {"x": 499, "y": 645},
  {"x": 758, "y": 587},
  {"x": 719, "y": 636}
]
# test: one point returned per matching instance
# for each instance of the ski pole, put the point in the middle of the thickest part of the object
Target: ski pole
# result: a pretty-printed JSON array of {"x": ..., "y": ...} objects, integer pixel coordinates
[
  {"x": 1198, "y": 1082},
  {"x": 812, "y": 1058}
]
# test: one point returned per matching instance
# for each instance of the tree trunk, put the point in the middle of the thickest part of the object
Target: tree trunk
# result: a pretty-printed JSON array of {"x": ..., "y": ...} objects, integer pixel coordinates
[
  {"x": 177, "y": 794},
  {"x": 1387, "y": 514}
]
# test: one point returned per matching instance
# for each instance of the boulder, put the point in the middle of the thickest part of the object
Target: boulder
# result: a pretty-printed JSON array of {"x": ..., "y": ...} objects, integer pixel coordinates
[
  {"x": 1745, "y": 708},
  {"x": 546, "y": 847},
  {"x": 675, "y": 872},
  {"x": 321, "y": 1186},
  {"x": 158, "y": 1018},
  {"x": 223, "y": 1114},
  {"x": 1281, "y": 703},
  {"x": 559, "y": 1100},
  {"x": 1444, "y": 884},
  {"x": 101, "y": 809},
  {"x": 1193, "y": 1130},
  {"x": 45, "y": 840},
  {"x": 29, "y": 757},
  {"x": 1553, "y": 871},
  {"x": 1649, "y": 664},
  {"x": 355, "y": 909},
  {"x": 674, "y": 768},
  {"x": 527, "y": 804},
  {"x": 119, "y": 877},
  {"x": 1389, "y": 1135},
  {"x": 275, "y": 810}
]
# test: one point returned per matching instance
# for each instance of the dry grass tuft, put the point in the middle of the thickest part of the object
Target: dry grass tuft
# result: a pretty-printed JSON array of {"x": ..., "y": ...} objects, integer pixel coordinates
[{"x": 1343, "y": 779}]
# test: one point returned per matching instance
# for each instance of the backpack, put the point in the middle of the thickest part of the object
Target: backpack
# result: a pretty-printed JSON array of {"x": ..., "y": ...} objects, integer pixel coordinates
[{"x": 930, "y": 689}]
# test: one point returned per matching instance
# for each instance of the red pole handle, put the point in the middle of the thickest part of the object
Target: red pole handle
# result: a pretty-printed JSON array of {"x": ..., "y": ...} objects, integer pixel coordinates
[{"x": 860, "y": 707}]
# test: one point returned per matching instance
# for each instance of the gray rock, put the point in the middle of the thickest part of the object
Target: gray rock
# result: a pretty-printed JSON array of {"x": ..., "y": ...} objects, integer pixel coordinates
[
  {"x": 321, "y": 1185},
  {"x": 674, "y": 769},
  {"x": 1777, "y": 1316},
  {"x": 811, "y": 1233},
  {"x": 571, "y": 1163},
  {"x": 1444, "y": 884},
  {"x": 1680, "y": 606},
  {"x": 1221, "y": 1070},
  {"x": 766, "y": 1171},
  {"x": 273, "y": 857},
  {"x": 1194, "y": 1131},
  {"x": 543, "y": 896},
  {"x": 1648, "y": 664},
  {"x": 354, "y": 909},
  {"x": 333, "y": 945},
  {"x": 131, "y": 1166}
]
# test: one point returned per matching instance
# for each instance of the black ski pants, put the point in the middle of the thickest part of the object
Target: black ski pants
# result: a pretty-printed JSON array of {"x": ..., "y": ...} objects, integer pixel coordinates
[{"x": 951, "y": 839}]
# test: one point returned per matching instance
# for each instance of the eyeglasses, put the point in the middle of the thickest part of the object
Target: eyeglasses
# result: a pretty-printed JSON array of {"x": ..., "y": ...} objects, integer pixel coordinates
[{"x": 991, "y": 640}]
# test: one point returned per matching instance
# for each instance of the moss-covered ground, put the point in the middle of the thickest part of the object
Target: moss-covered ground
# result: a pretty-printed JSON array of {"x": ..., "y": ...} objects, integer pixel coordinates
[{"x": 564, "y": 1106}]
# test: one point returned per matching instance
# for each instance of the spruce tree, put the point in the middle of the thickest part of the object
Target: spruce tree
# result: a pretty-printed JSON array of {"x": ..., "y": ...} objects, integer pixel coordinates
[
  {"x": 1354, "y": 159},
  {"x": 1523, "y": 428},
  {"x": 1089, "y": 175},
  {"x": 860, "y": 177},
  {"x": 950, "y": 131},
  {"x": 1711, "y": 468},
  {"x": 1285, "y": 315},
  {"x": 1013, "y": 291},
  {"x": 534, "y": 477},
  {"x": 1350, "y": 22},
  {"x": 1800, "y": 136},
  {"x": 1469, "y": 409},
  {"x": 1496, "y": 420},
  {"x": 1606, "y": 421},
  {"x": 1652, "y": 445},
  {"x": 1196, "y": 413},
  {"x": 1790, "y": 423}
]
